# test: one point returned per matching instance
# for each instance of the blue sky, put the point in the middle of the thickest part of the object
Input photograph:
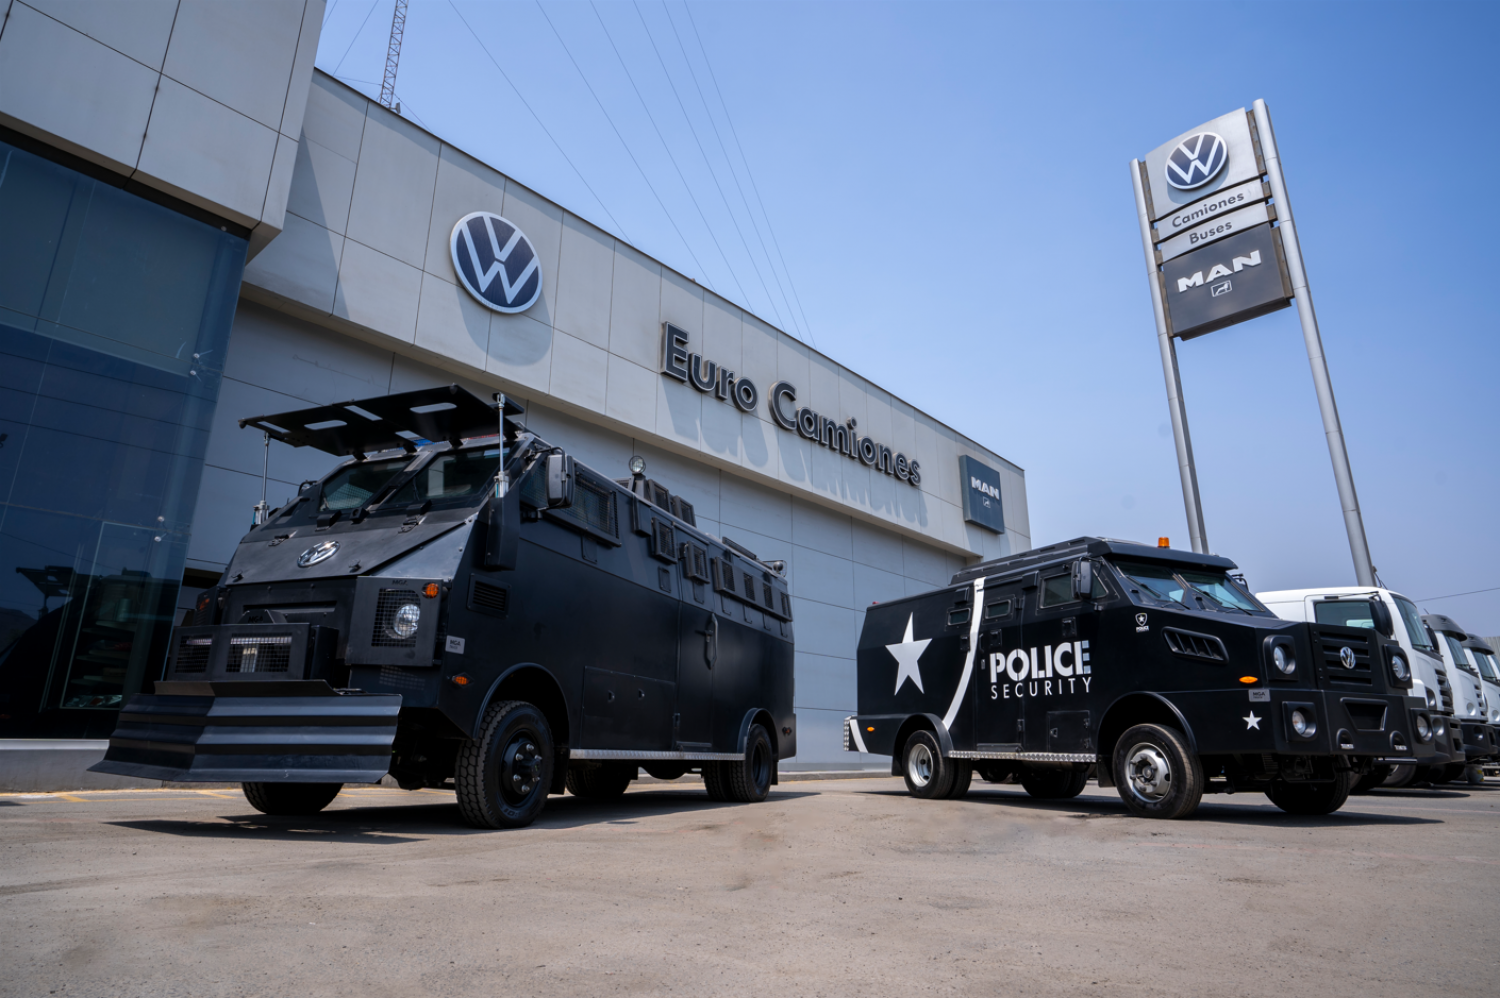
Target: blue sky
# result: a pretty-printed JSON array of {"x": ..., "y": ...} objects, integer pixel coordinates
[{"x": 948, "y": 187}]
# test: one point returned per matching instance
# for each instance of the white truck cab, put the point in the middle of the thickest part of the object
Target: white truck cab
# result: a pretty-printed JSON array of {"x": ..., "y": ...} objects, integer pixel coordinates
[
  {"x": 1484, "y": 659},
  {"x": 1469, "y": 701},
  {"x": 1350, "y": 605}
]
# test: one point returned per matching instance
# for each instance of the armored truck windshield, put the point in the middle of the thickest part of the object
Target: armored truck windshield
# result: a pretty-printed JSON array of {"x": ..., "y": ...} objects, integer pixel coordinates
[
  {"x": 1206, "y": 588},
  {"x": 352, "y": 486},
  {"x": 457, "y": 478}
]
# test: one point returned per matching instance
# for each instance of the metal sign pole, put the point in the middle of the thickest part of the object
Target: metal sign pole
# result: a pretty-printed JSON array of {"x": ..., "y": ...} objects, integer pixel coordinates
[
  {"x": 1197, "y": 533},
  {"x": 1359, "y": 547}
]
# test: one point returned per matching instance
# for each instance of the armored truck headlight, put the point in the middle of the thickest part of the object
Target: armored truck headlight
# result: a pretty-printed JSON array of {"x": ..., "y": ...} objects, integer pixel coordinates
[
  {"x": 1424, "y": 728},
  {"x": 1304, "y": 725},
  {"x": 1283, "y": 660},
  {"x": 1398, "y": 666},
  {"x": 404, "y": 621}
]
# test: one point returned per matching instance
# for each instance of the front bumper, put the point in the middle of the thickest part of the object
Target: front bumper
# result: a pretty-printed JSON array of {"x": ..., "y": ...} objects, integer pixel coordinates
[
  {"x": 1478, "y": 739},
  {"x": 270, "y": 732}
]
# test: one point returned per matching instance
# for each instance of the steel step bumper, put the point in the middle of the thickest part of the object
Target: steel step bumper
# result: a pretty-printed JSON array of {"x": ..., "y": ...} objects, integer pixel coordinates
[{"x": 233, "y": 732}]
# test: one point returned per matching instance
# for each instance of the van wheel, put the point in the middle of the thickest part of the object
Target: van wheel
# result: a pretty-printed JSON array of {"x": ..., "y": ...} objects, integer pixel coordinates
[
  {"x": 1374, "y": 778},
  {"x": 290, "y": 799},
  {"x": 928, "y": 774},
  {"x": 1157, "y": 776},
  {"x": 502, "y": 777},
  {"x": 1311, "y": 798},
  {"x": 1053, "y": 783},
  {"x": 601, "y": 781},
  {"x": 963, "y": 776}
]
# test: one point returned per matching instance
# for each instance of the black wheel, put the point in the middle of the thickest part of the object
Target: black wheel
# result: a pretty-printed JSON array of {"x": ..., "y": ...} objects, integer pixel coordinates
[
  {"x": 600, "y": 780},
  {"x": 747, "y": 780},
  {"x": 1374, "y": 778},
  {"x": 1156, "y": 775},
  {"x": 1054, "y": 782},
  {"x": 502, "y": 776},
  {"x": 963, "y": 776},
  {"x": 1402, "y": 776},
  {"x": 1439, "y": 775},
  {"x": 1311, "y": 798},
  {"x": 928, "y": 774},
  {"x": 290, "y": 799}
]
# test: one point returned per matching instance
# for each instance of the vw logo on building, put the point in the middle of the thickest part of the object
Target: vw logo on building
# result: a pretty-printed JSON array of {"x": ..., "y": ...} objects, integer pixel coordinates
[
  {"x": 1196, "y": 160},
  {"x": 1346, "y": 657},
  {"x": 496, "y": 262},
  {"x": 317, "y": 553}
]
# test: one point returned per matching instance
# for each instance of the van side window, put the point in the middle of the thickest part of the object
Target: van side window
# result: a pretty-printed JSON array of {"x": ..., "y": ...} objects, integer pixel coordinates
[
  {"x": 1057, "y": 590},
  {"x": 1000, "y": 608}
]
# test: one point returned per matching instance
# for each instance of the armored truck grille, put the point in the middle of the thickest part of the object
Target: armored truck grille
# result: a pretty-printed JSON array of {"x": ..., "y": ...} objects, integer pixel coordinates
[
  {"x": 272, "y": 653},
  {"x": 494, "y": 599},
  {"x": 193, "y": 654},
  {"x": 1191, "y": 644},
  {"x": 385, "y": 611},
  {"x": 1353, "y": 667}
]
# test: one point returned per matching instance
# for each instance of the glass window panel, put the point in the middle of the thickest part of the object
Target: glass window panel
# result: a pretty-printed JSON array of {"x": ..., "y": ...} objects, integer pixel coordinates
[
  {"x": 1154, "y": 579},
  {"x": 1412, "y": 621},
  {"x": 1345, "y": 613},
  {"x": 1057, "y": 590}
]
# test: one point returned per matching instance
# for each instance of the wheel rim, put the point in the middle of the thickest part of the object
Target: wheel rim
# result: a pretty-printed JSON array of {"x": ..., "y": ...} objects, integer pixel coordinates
[
  {"x": 520, "y": 768},
  {"x": 919, "y": 765},
  {"x": 1147, "y": 773}
]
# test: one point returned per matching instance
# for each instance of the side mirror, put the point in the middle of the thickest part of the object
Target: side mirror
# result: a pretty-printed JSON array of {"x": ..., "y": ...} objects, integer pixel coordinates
[
  {"x": 502, "y": 531},
  {"x": 1083, "y": 578},
  {"x": 1381, "y": 614},
  {"x": 559, "y": 481}
]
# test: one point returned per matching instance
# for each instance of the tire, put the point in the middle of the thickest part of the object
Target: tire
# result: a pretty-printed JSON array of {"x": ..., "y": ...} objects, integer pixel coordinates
[
  {"x": 602, "y": 781},
  {"x": 963, "y": 776},
  {"x": 1402, "y": 776},
  {"x": 1054, "y": 783},
  {"x": 290, "y": 799},
  {"x": 1157, "y": 776},
  {"x": 502, "y": 777},
  {"x": 716, "y": 782},
  {"x": 748, "y": 780},
  {"x": 1311, "y": 798},
  {"x": 928, "y": 775},
  {"x": 1447, "y": 774},
  {"x": 1374, "y": 778}
]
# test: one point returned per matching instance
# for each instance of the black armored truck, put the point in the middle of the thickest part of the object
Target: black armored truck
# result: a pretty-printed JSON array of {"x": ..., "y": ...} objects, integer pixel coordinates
[
  {"x": 461, "y": 604},
  {"x": 1152, "y": 669}
]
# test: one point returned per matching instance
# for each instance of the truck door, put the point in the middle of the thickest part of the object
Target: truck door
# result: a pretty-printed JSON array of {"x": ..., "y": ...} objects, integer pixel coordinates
[
  {"x": 1059, "y": 632},
  {"x": 998, "y": 707},
  {"x": 698, "y": 655}
]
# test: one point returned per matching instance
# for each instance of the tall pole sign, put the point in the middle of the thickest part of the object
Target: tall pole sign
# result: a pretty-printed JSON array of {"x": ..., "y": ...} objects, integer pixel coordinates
[{"x": 1221, "y": 247}]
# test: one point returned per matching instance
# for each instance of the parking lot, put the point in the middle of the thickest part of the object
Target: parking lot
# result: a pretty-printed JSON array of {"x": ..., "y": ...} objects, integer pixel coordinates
[{"x": 833, "y": 887}]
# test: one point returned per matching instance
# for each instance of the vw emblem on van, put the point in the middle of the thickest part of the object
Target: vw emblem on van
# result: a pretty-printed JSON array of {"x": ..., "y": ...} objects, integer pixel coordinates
[
  {"x": 1346, "y": 657},
  {"x": 496, "y": 262},
  {"x": 317, "y": 553},
  {"x": 1196, "y": 160}
]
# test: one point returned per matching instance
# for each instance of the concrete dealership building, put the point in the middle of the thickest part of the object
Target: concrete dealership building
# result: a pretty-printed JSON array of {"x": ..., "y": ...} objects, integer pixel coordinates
[{"x": 197, "y": 226}]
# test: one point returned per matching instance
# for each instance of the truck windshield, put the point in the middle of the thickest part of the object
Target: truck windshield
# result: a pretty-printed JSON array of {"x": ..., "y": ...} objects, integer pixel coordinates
[
  {"x": 1156, "y": 580},
  {"x": 352, "y": 486},
  {"x": 1486, "y": 664},
  {"x": 1413, "y": 623},
  {"x": 1459, "y": 658},
  {"x": 1218, "y": 587},
  {"x": 464, "y": 475}
]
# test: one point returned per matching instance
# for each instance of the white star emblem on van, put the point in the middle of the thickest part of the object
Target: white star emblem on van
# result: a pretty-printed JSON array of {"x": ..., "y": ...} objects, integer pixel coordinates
[
  {"x": 906, "y": 654},
  {"x": 1252, "y": 721}
]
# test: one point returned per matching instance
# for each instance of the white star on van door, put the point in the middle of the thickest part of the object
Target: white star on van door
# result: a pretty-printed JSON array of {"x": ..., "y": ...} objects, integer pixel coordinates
[
  {"x": 1252, "y": 721},
  {"x": 906, "y": 654}
]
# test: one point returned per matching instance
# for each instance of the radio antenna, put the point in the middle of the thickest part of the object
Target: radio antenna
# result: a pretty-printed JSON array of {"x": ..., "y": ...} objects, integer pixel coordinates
[
  {"x": 261, "y": 508},
  {"x": 500, "y": 471}
]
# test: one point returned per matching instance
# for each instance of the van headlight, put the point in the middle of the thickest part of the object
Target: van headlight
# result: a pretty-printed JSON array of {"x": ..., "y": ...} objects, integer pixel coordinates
[
  {"x": 1283, "y": 660},
  {"x": 1398, "y": 666},
  {"x": 404, "y": 621},
  {"x": 1303, "y": 724}
]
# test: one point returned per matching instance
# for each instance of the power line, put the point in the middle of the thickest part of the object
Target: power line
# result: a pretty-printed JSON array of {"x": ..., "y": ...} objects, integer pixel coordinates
[
  {"x": 543, "y": 127},
  {"x": 373, "y": 5},
  {"x": 673, "y": 159},
  {"x": 748, "y": 172},
  {"x": 1471, "y": 592},
  {"x": 702, "y": 152},
  {"x": 329, "y": 15},
  {"x": 649, "y": 186},
  {"x": 733, "y": 173}
]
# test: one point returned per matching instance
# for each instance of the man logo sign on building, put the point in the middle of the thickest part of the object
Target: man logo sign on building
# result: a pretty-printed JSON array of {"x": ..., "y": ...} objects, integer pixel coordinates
[
  {"x": 496, "y": 262},
  {"x": 981, "y": 491}
]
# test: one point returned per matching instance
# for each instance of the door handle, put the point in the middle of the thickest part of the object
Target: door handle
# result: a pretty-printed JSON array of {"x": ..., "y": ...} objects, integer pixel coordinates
[{"x": 711, "y": 641}]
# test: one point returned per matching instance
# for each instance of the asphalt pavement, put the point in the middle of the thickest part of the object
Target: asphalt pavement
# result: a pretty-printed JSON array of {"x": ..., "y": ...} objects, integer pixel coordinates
[{"x": 832, "y": 887}]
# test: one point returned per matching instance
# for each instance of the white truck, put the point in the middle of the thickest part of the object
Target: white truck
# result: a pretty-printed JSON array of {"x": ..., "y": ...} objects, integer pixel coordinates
[
  {"x": 1468, "y": 697},
  {"x": 1351, "y": 605},
  {"x": 1485, "y": 660}
]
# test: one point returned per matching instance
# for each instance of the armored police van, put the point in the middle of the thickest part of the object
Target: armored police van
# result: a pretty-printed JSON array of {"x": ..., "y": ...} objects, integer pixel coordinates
[
  {"x": 461, "y": 604},
  {"x": 1152, "y": 668}
]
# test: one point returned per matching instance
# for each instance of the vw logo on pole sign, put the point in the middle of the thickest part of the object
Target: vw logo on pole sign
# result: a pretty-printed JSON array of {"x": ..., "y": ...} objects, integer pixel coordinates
[
  {"x": 496, "y": 262},
  {"x": 1196, "y": 160}
]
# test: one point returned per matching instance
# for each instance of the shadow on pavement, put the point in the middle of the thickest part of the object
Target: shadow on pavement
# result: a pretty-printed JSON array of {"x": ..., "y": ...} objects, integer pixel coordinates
[
  {"x": 1245, "y": 811},
  {"x": 393, "y": 824}
]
